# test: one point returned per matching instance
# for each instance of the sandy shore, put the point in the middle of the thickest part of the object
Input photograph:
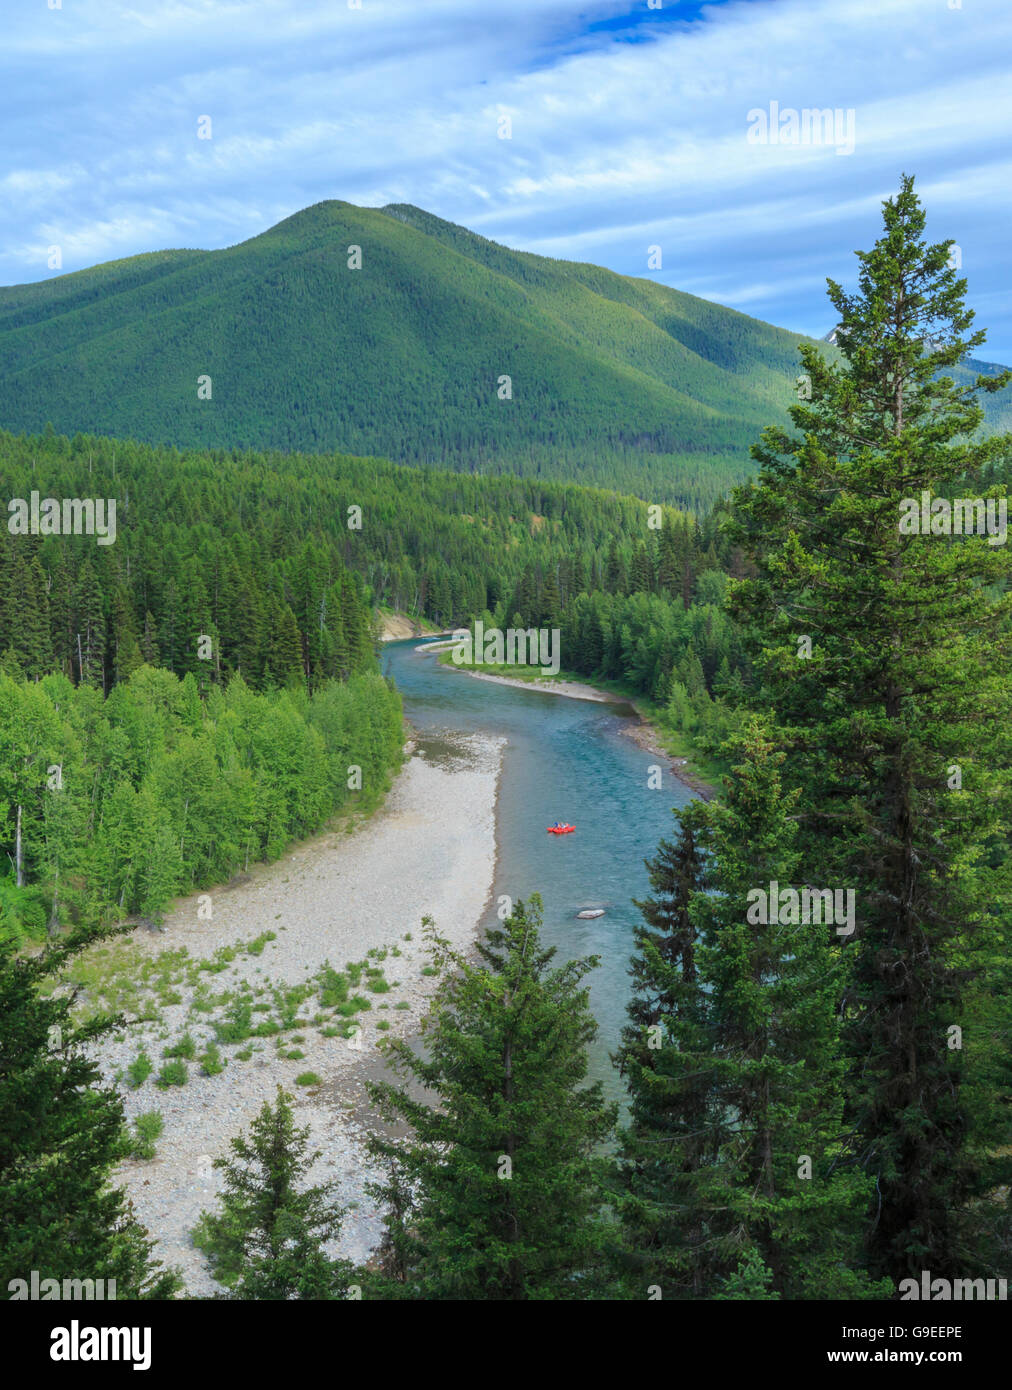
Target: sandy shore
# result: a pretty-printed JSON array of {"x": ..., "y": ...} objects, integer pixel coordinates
[
  {"x": 574, "y": 690},
  {"x": 429, "y": 850},
  {"x": 396, "y": 626}
]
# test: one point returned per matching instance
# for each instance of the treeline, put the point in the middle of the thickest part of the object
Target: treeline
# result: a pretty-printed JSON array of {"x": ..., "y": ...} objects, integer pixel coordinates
[
  {"x": 232, "y": 576},
  {"x": 113, "y": 806},
  {"x": 277, "y": 559},
  {"x": 653, "y": 617}
]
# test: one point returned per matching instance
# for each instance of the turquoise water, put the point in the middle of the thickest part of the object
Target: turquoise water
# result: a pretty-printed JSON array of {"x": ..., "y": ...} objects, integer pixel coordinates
[{"x": 565, "y": 760}]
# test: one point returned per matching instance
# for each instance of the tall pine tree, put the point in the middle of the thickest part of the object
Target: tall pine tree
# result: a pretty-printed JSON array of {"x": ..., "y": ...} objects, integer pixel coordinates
[{"x": 897, "y": 724}]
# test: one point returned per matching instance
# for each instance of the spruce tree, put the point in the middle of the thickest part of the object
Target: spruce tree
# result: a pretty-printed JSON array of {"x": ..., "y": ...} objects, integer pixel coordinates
[
  {"x": 267, "y": 1240},
  {"x": 61, "y": 1136},
  {"x": 505, "y": 1191},
  {"x": 897, "y": 724},
  {"x": 660, "y": 1145},
  {"x": 743, "y": 1105},
  {"x": 89, "y": 618}
]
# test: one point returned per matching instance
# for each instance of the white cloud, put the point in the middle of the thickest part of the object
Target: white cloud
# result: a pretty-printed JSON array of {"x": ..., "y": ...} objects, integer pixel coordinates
[{"x": 615, "y": 145}]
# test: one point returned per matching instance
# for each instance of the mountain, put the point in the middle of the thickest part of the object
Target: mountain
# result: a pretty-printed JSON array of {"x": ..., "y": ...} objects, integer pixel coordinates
[{"x": 615, "y": 380}]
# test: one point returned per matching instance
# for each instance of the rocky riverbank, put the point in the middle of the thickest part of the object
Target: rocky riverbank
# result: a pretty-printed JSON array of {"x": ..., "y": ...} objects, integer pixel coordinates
[{"x": 243, "y": 970}]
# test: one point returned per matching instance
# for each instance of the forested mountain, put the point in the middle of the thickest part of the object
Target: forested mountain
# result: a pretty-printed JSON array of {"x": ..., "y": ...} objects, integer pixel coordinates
[{"x": 614, "y": 380}]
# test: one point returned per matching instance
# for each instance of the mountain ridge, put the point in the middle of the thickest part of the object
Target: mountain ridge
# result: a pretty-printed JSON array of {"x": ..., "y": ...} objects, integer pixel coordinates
[{"x": 614, "y": 380}]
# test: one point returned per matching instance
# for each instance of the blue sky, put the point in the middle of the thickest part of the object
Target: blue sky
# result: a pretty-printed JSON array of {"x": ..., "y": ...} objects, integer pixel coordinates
[{"x": 630, "y": 129}]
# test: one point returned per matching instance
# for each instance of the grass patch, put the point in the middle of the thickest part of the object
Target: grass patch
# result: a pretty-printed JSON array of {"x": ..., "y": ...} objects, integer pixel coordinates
[
  {"x": 173, "y": 1073},
  {"x": 256, "y": 946},
  {"x": 212, "y": 1062},
  {"x": 147, "y": 1129},
  {"x": 185, "y": 1047},
  {"x": 140, "y": 1069},
  {"x": 236, "y": 1025}
]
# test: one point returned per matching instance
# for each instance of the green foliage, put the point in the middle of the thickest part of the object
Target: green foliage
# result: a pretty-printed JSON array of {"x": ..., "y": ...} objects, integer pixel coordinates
[
  {"x": 238, "y": 1021},
  {"x": 495, "y": 1194},
  {"x": 211, "y": 1061},
  {"x": 735, "y": 1065},
  {"x": 147, "y": 1129},
  {"x": 333, "y": 988},
  {"x": 185, "y": 1047},
  {"x": 907, "y": 682},
  {"x": 22, "y": 912},
  {"x": 267, "y": 1239},
  {"x": 60, "y": 1139},
  {"x": 173, "y": 1073},
  {"x": 159, "y": 796},
  {"x": 140, "y": 1069},
  {"x": 256, "y": 946}
]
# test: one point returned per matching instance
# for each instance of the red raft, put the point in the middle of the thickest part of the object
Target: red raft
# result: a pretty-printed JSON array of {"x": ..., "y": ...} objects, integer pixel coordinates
[{"x": 561, "y": 829}]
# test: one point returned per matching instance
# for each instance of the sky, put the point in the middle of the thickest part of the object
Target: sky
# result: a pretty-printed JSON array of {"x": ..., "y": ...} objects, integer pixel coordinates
[{"x": 631, "y": 125}]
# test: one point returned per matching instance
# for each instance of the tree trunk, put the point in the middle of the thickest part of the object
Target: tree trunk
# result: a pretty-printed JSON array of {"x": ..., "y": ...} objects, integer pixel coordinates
[{"x": 19, "y": 855}]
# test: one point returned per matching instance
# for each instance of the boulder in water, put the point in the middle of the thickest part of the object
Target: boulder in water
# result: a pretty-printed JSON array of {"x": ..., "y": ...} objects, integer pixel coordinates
[{"x": 591, "y": 912}]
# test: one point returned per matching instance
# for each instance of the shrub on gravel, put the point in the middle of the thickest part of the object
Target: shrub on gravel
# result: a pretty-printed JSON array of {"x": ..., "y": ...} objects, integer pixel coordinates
[
  {"x": 172, "y": 1074},
  {"x": 147, "y": 1128}
]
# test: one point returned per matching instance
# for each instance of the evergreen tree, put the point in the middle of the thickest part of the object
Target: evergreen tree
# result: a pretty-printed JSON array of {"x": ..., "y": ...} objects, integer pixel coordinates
[
  {"x": 615, "y": 574},
  {"x": 61, "y": 1136},
  {"x": 897, "y": 725},
  {"x": 267, "y": 1240},
  {"x": 661, "y": 1143},
  {"x": 641, "y": 574},
  {"x": 551, "y": 604},
  {"x": 744, "y": 1102},
  {"x": 149, "y": 641},
  {"x": 505, "y": 1195},
  {"x": 89, "y": 618}
]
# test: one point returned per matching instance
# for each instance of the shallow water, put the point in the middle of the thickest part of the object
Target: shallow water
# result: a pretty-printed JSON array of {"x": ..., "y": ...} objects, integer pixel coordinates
[{"x": 565, "y": 760}]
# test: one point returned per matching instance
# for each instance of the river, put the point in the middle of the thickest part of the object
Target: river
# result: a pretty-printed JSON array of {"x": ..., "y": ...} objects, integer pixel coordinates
[{"x": 566, "y": 760}]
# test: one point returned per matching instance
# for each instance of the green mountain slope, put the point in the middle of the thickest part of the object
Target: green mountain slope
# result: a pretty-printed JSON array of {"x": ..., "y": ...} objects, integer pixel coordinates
[{"x": 615, "y": 381}]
